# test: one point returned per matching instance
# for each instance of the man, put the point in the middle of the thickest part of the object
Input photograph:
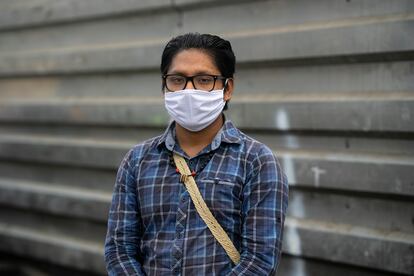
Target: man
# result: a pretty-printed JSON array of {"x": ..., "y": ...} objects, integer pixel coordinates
[{"x": 154, "y": 227}]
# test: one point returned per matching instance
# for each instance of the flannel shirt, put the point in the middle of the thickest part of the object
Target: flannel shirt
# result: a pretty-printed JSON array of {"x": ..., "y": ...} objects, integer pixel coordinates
[{"x": 154, "y": 228}]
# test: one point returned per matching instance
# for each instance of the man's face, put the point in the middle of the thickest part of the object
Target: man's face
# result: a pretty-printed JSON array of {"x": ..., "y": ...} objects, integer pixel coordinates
[{"x": 194, "y": 62}]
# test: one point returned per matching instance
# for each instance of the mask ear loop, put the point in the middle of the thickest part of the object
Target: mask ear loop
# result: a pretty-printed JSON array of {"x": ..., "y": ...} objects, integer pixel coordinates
[
  {"x": 163, "y": 86},
  {"x": 225, "y": 88},
  {"x": 225, "y": 85}
]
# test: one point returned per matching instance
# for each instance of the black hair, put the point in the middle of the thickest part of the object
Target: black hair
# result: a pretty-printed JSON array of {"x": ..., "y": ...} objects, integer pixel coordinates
[{"x": 218, "y": 48}]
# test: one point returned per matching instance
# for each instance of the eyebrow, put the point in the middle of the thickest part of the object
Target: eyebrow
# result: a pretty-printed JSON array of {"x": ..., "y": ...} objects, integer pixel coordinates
[{"x": 196, "y": 73}]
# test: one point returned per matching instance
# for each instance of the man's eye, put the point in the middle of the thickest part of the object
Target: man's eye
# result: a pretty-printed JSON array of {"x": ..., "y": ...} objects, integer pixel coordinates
[
  {"x": 177, "y": 80},
  {"x": 204, "y": 80}
]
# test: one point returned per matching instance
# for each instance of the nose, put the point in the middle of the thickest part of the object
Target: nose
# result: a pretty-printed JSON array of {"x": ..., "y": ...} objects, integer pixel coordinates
[{"x": 189, "y": 84}]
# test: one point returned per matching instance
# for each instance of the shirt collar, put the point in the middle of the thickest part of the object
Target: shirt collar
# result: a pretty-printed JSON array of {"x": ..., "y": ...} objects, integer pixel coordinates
[
  {"x": 228, "y": 134},
  {"x": 168, "y": 137}
]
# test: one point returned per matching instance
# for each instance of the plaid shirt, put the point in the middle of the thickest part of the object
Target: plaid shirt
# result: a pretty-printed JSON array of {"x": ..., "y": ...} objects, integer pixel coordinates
[{"x": 154, "y": 228}]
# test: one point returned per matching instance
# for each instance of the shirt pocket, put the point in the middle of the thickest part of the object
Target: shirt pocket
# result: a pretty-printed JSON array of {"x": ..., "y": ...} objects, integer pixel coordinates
[{"x": 223, "y": 198}]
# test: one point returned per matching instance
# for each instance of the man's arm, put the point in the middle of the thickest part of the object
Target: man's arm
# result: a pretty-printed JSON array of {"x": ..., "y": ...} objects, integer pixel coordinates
[
  {"x": 122, "y": 239},
  {"x": 263, "y": 210}
]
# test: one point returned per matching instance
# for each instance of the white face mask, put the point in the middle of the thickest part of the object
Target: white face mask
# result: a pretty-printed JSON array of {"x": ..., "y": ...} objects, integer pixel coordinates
[{"x": 194, "y": 109}]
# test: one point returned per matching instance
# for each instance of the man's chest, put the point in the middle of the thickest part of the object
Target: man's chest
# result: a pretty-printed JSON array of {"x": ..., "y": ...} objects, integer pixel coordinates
[{"x": 162, "y": 198}]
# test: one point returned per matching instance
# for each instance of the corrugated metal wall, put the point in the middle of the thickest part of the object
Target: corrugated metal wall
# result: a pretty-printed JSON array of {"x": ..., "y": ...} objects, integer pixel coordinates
[{"x": 327, "y": 84}]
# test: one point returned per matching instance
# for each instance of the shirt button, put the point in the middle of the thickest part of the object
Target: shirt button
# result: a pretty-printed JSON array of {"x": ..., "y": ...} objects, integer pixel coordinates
[
  {"x": 179, "y": 228},
  {"x": 183, "y": 199}
]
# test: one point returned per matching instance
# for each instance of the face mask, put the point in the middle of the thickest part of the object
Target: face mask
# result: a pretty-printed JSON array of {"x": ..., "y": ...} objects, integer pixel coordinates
[{"x": 194, "y": 109}]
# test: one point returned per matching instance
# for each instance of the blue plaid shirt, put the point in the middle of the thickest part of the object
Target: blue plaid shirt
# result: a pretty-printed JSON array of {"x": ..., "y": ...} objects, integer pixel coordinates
[{"x": 154, "y": 228}]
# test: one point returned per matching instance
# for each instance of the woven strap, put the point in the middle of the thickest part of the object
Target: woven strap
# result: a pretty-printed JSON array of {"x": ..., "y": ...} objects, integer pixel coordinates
[{"x": 204, "y": 212}]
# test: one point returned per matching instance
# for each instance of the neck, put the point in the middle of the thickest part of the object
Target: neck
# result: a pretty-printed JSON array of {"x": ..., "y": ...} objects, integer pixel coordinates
[{"x": 193, "y": 142}]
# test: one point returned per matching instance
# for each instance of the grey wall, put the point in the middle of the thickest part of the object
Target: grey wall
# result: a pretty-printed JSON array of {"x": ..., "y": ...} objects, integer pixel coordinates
[{"x": 327, "y": 84}]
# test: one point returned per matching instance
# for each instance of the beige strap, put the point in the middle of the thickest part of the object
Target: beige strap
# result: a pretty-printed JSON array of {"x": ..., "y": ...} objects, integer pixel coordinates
[{"x": 204, "y": 212}]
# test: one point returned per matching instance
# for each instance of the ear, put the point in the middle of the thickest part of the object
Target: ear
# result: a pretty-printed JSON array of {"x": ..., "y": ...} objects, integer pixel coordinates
[{"x": 228, "y": 92}]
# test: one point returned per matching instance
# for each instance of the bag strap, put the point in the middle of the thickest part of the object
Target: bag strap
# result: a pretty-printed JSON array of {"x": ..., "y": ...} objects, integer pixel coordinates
[{"x": 204, "y": 212}]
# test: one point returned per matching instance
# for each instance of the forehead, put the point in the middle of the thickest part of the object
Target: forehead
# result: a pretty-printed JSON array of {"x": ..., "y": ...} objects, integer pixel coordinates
[{"x": 193, "y": 61}]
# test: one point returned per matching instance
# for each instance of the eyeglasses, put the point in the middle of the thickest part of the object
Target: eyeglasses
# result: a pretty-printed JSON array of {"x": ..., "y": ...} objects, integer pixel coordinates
[{"x": 176, "y": 82}]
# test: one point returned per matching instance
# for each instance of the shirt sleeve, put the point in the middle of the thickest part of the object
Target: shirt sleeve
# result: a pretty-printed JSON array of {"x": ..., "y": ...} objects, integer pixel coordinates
[
  {"x": 122, "y": 239},
  {"x": 263, "y": 210}
]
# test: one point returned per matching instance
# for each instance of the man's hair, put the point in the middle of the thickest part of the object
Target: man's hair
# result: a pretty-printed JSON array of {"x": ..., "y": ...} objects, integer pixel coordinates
[{"x": 219, "y": 49}]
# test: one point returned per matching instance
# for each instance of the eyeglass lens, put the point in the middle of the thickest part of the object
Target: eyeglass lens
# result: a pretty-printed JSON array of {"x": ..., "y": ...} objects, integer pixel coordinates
[{"x": 201, "y": 82}]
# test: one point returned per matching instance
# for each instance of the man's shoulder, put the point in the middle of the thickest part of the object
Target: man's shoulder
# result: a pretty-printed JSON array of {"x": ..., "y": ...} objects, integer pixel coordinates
[
  {"x": 259, "y": 156},
  {"x": 253, "y": 147},
  {"x": 249, "y": 145},
  {"x": 138, "y": 151}
]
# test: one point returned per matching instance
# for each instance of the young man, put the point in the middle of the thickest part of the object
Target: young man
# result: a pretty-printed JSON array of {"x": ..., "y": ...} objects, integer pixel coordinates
[{"x": 154, "y": 227}]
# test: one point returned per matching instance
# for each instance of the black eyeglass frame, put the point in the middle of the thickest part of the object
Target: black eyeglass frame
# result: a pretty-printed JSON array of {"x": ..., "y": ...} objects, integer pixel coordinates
[{"x": 215, "y": 77}]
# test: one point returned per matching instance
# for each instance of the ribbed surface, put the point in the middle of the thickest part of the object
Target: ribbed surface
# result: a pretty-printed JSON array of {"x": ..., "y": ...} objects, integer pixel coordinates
[{"x": 328, "y": 85}]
